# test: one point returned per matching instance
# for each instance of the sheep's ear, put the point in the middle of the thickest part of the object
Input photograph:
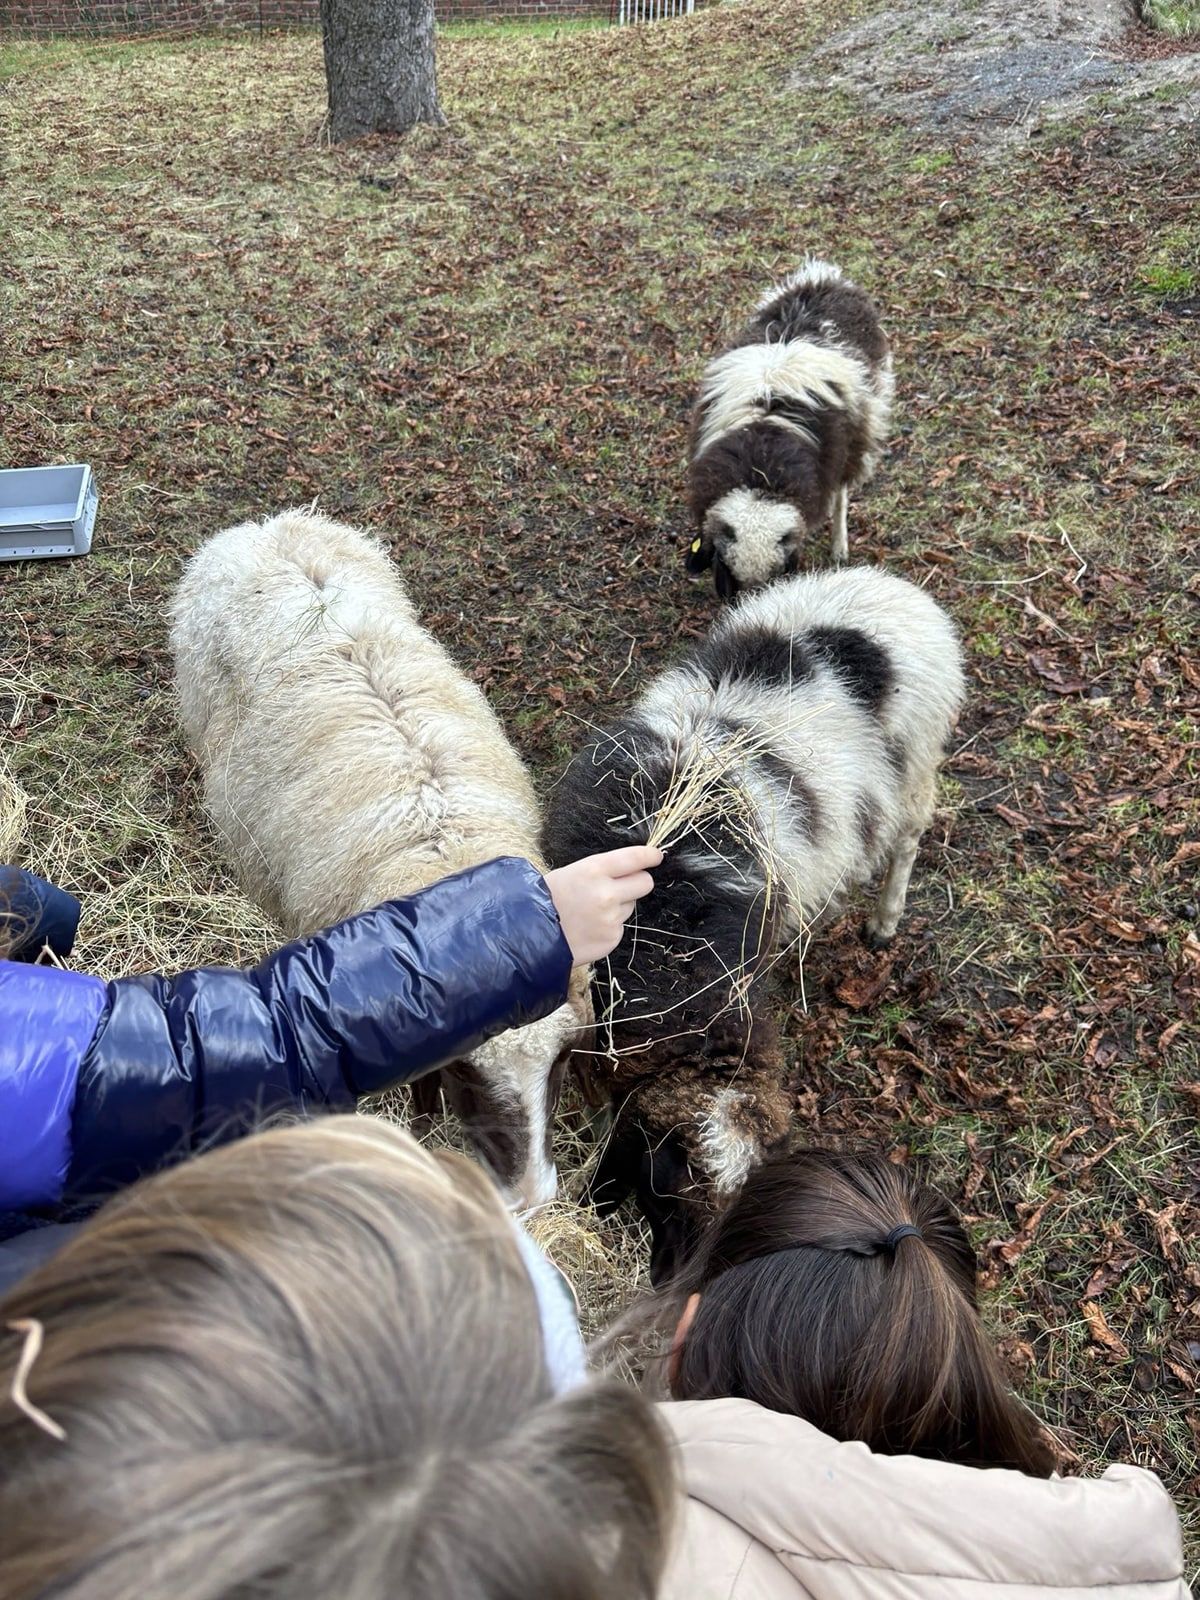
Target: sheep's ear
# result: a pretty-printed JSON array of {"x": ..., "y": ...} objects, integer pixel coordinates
[
  {"x": 700, "y": 554},
  {"x": 727, "y": 584}
]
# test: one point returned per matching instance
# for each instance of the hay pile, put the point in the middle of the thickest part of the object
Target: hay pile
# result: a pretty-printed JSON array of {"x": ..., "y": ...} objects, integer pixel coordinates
[{"x": 14, "y": 804}]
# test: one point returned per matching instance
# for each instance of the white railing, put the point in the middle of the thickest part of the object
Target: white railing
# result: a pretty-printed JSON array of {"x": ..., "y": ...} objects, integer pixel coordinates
[{"x": 652, "y": 10}]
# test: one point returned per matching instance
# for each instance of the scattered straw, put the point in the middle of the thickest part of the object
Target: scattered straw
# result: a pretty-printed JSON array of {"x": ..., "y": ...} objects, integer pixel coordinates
[
  {"x": 13, "y": 806},
  {"x": 706, "y": 785},
  {"x": 606, "y": 1258}
]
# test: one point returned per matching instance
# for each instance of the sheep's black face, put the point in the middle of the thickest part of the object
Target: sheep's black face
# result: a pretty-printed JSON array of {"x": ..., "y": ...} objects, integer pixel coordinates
[
  {"x": 699, "y": 556},
  {"x": 494, "y": 1123},
  {"x": 657, "y": 1174}
]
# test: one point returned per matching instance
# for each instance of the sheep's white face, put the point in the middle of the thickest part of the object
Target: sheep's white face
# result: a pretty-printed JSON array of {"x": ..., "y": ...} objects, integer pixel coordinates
[{"x": 753, "y": 537}]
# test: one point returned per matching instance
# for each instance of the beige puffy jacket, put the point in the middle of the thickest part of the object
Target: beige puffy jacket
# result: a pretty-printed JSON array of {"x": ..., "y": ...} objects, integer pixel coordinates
[{"x": 778, "y": 1511}]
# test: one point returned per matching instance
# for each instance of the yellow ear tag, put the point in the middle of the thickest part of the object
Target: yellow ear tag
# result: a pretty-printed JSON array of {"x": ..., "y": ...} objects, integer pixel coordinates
[{"x": 696, "y": 547}]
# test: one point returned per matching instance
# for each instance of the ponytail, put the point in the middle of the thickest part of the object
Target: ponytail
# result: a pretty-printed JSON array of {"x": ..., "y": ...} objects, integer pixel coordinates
[{"x": 839, "y": 1289}]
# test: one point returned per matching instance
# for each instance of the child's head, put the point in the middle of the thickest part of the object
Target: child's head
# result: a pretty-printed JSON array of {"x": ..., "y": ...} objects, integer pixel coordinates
[
  {"x": 839, "y": 1289},
  {"x": 310, "y": 1364}
]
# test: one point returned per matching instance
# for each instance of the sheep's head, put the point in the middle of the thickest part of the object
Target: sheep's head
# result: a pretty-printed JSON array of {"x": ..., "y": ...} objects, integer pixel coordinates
[
  {"x": 748, "y": 537},
  {"x": 683, "y": 1142},
  {"x": 506, "y": 1092}
]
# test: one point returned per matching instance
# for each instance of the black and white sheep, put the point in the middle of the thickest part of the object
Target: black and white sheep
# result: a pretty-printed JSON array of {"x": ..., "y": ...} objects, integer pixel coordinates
[
  {"x": 788, "y": 420},
  {"x": 842, "y": 689},
  {"x": 348, "y": 761}
]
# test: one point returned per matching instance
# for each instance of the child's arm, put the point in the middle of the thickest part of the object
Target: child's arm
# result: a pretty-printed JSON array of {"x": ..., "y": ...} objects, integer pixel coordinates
[
  {"x": 102, "y": 1082},
  {"x": 34, "y": 914}
]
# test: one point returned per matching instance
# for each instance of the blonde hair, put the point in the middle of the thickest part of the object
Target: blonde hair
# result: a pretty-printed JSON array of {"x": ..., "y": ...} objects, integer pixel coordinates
[{"x": 309, "y": 1364}]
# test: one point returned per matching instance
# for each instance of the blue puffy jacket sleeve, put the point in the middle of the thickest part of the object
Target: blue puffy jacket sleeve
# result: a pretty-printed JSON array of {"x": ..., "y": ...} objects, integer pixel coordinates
[
  {"x": 35, "y": 914},
  {"x": 380, "y": 999}
]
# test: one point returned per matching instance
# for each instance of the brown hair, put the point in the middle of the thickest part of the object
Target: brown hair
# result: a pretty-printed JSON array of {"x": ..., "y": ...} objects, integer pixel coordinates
[
  {"x": 307, "y": 1365},
  {"x": 810, "y": 1304}
]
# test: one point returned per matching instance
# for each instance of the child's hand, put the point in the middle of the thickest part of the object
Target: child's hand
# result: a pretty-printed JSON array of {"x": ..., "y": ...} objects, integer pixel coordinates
[{"x": 595, "y": 896}]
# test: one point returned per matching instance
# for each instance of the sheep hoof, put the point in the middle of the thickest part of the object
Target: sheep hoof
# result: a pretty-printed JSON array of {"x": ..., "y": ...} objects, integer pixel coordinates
[{"x": 874, "y": 938}]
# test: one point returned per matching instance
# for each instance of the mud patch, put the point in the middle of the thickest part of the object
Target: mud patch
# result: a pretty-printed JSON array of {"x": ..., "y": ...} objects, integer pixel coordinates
[{"x": 993, "y": 73}]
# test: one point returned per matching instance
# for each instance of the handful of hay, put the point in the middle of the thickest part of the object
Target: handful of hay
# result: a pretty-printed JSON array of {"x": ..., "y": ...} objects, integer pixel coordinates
[
  {"x": 705, "y": 786},
  {"x": 707, "y": 797}
]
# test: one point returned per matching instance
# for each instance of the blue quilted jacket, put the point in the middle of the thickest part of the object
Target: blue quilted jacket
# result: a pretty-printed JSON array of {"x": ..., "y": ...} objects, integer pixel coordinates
[{"x": 100, "y": 1082}]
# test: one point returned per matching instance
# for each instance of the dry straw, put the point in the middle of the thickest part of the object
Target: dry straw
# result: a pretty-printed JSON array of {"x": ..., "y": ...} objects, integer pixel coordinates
[
  {"x": 706, "y": 795},
  {"x": 14, "y": 805}
]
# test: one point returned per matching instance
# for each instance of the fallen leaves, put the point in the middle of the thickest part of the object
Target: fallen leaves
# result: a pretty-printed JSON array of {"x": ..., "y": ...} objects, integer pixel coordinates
[
  {"x": 1109, "y": 1274},
  {"x": 1101, "y": 1333},
  {"x": 1165, "y": 1231},
  {"x": 1011, "y": 1250},
  {"x": 1057, "y": 678},
  {"x": 860, "y": 990}
]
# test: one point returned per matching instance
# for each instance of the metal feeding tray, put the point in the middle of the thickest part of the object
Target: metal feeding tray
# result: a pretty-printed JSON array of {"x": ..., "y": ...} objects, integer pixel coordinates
[{"x": 46, "y": 511}]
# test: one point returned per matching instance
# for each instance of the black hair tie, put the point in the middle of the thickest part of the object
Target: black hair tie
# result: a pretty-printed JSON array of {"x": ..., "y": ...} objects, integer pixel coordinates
[{"x": 905, "y": 1230}]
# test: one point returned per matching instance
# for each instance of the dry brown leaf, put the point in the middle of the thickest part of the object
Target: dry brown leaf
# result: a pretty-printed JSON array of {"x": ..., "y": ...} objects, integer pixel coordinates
[
  {"x": 1166, "y": 1232},
  {"x": 1167, "y": 1037},
  {"x": 1101, "y": 1333},
  {"x": 1053, "y": 675},
  {"x": 1013, "y": 1249},
  {"x": 976, "y": 1175},
  {"x": 862, "y": 989},
  {"x": 944, "y": 474},
  {"x": 1108, "y": 1273}
]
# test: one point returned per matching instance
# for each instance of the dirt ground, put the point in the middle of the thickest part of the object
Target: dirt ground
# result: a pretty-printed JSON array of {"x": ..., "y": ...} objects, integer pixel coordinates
[
  {"x": 484, "y": 343},
  {"x": 990, "y": 73}
]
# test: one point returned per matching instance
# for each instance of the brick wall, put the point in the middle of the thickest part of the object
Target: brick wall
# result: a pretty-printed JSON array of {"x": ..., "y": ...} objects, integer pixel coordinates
[{"x": 91, "y": 18}]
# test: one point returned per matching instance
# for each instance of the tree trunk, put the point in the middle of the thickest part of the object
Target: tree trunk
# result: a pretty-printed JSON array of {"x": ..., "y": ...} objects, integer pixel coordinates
[{"x": 379, "y": 65}]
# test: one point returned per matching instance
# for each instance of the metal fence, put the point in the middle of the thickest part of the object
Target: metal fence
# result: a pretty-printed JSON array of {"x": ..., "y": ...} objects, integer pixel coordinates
[
  {"x": 156, "y": 18},
  {"x": 628, "y": 11}
]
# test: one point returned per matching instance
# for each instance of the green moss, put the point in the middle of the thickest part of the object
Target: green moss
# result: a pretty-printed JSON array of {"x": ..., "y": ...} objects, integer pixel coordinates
[
  {"x": 931, "y": 161},
  {"x": 1179, "y": 18},
  {"x": 1167, "y": 279}
]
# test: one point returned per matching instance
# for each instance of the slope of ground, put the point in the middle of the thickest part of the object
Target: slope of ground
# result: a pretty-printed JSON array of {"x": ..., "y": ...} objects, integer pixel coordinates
[
  {"x": 484, "y": 343},
  {"x": 991, "y": 72}
]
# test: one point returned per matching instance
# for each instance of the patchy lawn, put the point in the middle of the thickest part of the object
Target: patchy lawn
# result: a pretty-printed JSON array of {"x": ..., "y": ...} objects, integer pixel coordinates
[{"x": 484, "y": 343}]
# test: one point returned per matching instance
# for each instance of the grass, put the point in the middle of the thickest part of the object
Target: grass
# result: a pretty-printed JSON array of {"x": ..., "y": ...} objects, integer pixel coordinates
[
  {"x": 1167, "y": 279},
  {"x": 522, "y": 28},
  {"x": 20, "y": 56},
  {"x": 484, "y": 342},
  {"x": 1178, "y": 18}
]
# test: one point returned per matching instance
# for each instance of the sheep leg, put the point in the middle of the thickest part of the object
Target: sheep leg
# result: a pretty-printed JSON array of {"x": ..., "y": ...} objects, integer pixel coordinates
[
  {"x": 425, "y": 1103},
  {"x": 889, "y": 907},
  {"x": 841, "y": 539}
]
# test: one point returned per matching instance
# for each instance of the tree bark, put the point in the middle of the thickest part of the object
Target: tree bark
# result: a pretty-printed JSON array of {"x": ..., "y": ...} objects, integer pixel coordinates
[{"x": 379, "y": 65}]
